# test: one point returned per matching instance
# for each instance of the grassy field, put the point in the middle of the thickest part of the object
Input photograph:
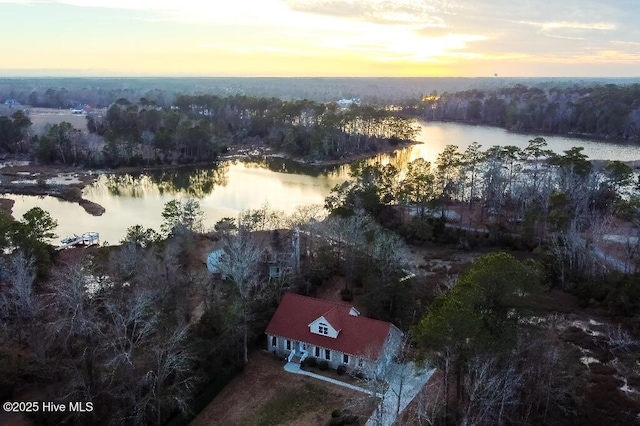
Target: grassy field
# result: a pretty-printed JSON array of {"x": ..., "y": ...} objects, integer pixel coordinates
[
  {"x": 41, "y": 117},
  {"x": 265, "y": 394}
]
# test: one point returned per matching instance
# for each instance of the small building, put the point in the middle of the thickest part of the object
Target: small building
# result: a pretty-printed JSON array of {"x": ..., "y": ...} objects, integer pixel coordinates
[
  {"x": 213, "y": 261},
  {"x": 305, "y": 327},
  {"x": 346, "y": 103},
  {"x": 278, "y": 259},
  {"x": 78, "y": 109}
]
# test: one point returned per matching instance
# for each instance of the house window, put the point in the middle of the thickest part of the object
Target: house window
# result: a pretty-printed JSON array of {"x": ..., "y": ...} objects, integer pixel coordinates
[
  {"x": 345, "y": 358},
  {"x": 327, "y": 354},
  {"x": 288, "y": 345},
  {"x": 317, "y": 352},
  {"x": 360, "y": 363},
  {"x": 273, "y": 341},
  {"x": 304, "y": 346},
  {"x": 323, "y": 329}
]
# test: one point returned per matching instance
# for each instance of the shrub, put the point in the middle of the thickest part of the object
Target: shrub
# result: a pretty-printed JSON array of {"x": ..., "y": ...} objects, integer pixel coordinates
[
  {"x": 341, "y": 370},
  {"x": 311, "y": 362},
  {"x": 346, "y": 294},
  {"x": 336, "y": 421},
  {"x": 358, "y": 374},
  {"x": 323, "y": 365},
  {"x": 350, "y": 420},
  {"x": 336, "y": 413}
]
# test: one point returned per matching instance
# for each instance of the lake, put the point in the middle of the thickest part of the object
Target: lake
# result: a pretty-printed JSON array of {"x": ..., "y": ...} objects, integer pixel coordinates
[{"x": 240, "y": 185}]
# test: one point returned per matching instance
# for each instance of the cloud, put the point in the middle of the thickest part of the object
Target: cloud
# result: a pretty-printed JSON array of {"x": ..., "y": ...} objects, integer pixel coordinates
[
  {"x": 258, "y": 49},
  {"x": 237, "y": 11},
  {"x": 388, "y": 12},
  {"x": 466, "y": 32}
]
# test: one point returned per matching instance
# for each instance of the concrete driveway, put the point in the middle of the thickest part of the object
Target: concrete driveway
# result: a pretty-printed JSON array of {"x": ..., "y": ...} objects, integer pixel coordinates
[{"x": 406, "y": 381}]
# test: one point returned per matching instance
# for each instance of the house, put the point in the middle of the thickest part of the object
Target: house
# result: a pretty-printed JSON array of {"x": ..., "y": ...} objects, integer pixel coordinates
[
  {"x": 305, "y": 327},
  {"x": 78, "y": 109},
  {"x": 213, "y": 261},
  {"x": 278, "y": 259},
  {"x": 346, "y": 103}
]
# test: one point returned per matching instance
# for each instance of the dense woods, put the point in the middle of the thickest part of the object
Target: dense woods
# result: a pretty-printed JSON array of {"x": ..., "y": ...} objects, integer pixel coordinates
[
  {"x": 102, "y": 92},
  {"x": 146, "y": 125},
  {"x": 200, "y": 128},
  {"x": 14, "y": 133},
  {"x": 605, "y": 111},
  {"x": 553, "y": 209}
]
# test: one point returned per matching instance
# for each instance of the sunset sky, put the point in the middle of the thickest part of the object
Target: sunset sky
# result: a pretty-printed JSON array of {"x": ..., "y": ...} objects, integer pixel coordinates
[{"x": 320, "y": 38}]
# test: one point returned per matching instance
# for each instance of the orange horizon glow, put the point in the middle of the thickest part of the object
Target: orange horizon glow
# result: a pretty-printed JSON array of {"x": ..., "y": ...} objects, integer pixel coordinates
[{"x": 313, "y": 38}]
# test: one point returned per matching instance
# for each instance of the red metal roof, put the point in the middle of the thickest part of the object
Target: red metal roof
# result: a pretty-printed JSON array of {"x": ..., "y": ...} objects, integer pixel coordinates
[
  {"x": 360, "y": 336},
  {"x": 333, "y": 317}
]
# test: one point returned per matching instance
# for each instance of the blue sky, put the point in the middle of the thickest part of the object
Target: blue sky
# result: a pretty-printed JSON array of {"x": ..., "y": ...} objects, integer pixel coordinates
[{"x": 321, "y": 38}]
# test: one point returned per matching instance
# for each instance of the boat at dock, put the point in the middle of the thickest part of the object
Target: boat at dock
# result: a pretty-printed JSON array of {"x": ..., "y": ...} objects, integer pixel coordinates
[{"x": 86, "y": 239}]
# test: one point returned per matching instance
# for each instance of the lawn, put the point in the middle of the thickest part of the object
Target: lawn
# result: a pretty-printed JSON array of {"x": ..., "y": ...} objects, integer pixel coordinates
[
  {"x": 42, "y": 117},
  {"x": 265, "y": 394}
]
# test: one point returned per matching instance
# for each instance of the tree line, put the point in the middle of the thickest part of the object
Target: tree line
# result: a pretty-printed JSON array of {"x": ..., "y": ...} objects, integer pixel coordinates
[
  {"x": 608, "y": 111},
  {"x": 102, "y": 92},
  {"x": 506, "y": 196},
  {"x": 200, "y": 128}
]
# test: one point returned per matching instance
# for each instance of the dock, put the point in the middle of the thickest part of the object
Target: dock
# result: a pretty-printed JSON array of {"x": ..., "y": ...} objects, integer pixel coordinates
[{"x": 86, "y": 239}]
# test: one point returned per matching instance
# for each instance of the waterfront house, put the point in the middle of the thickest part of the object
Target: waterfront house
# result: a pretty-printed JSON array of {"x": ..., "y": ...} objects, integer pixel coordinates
[{"x": 305, "y": 327}]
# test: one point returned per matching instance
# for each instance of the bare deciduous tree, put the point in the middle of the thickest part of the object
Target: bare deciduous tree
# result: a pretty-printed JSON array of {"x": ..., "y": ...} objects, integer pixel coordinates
[
  {"x": 239, "y": 265},
  {"x": 491, "y": 390}
]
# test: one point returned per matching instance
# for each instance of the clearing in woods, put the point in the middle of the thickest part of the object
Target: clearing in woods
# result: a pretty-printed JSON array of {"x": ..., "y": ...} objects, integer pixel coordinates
[{"x": 41, "y": 117}]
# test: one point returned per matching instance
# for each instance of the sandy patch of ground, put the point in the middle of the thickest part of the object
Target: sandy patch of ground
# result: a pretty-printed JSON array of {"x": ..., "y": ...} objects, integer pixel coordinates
[{"x": 265, "y": 394}]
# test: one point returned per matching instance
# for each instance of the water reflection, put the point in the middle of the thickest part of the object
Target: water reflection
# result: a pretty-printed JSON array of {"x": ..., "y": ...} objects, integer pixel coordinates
[
  {"x": 284, "y": 165},
  {"x": 435, "y": 136},
  {"x": 237, "y": 185},
  {"x": 183, "y": 182},
  {"x": 222, "y": 192}
]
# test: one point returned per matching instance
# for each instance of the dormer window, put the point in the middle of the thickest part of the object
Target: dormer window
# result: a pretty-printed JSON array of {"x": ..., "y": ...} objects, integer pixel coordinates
[{"x": 324, "y": 327}]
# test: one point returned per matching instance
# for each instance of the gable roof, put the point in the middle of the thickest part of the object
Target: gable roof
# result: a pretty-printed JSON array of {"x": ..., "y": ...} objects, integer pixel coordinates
[
  {"x": 359, "y": 336},
  {"x": 333, "y": 317}
]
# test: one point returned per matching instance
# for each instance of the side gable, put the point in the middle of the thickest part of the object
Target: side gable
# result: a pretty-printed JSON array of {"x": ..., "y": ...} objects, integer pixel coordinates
[{"x": 298, "y": 318}]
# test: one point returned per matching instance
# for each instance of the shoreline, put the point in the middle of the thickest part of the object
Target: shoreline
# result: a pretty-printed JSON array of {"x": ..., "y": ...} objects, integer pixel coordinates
[
  {"x": 569, "y": 135},
  {"x": 67, "y": 183}
]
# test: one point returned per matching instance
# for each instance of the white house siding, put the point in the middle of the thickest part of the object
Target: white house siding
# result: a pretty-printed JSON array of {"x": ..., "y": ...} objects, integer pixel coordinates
[
  {"x": 280, "y": 347},
  {"x": 314, "y": 328},
  {"x": 336, "y": 356}
]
